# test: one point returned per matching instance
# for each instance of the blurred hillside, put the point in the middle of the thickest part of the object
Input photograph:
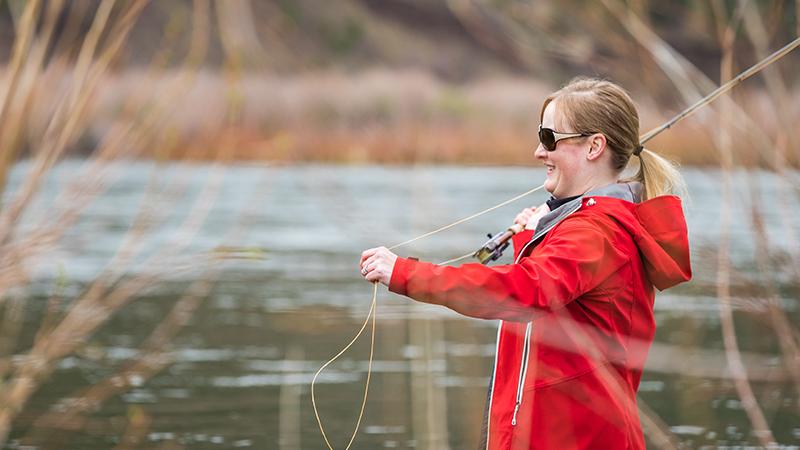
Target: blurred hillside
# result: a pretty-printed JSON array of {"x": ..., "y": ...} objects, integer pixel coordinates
[
  {"x": 455, "y": 40},
  {"x": 451, "y": 76}
]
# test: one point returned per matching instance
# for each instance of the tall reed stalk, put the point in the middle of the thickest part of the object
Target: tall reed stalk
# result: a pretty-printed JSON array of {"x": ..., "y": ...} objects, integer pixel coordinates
[{"x": 68, "y": 325}]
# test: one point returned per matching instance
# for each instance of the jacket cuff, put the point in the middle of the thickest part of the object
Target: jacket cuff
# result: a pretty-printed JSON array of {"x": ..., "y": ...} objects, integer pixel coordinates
[{"x": 398, "y": 282}]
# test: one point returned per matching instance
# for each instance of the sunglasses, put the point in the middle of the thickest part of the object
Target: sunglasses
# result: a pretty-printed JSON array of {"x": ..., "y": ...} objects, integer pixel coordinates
[{"x": 549, "y": 138}]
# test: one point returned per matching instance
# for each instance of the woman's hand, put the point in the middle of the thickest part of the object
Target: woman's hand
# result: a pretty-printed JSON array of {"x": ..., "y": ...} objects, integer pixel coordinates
[
  {"x": 529, "y": 217},
  {"x": 377, "y": 264},
  {"x": 524, "y": 218}
]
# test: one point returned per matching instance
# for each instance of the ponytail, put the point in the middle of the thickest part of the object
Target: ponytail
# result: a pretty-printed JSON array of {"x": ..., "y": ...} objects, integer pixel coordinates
[{"x": 659, "y": 176}]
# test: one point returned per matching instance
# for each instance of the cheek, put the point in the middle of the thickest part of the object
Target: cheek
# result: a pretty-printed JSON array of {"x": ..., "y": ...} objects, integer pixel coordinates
[
  {"x": 566, "y": 163},
  {"x": 560, "y": 162}
]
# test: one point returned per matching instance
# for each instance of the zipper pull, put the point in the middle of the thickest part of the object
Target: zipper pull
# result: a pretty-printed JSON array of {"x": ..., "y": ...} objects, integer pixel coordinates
[{"x": 514, "y": 419}]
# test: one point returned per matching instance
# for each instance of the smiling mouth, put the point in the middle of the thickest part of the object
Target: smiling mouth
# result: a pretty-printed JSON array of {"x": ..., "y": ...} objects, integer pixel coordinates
[{"x": 549, "y": 167}]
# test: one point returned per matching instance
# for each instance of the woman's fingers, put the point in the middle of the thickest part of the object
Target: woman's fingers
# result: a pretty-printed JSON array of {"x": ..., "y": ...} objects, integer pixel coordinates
[
  {"x": 367, "y": 253},
  {"x": 524, "y": 216},
  {"x": 537, "y": 215},
  {"x": 365, "y": 268},
  {"x": 377, "y": 264},
  {"x": 377, "y": 274}
]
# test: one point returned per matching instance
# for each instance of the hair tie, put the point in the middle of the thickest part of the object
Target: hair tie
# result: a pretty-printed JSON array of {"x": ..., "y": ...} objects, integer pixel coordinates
[{"x": 638, "y": 150}]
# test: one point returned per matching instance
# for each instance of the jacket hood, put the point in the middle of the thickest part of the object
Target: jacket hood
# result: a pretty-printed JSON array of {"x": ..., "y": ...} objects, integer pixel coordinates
[
  {"x": 658, "y": 227},
  {"x": 659, "y": 231}
]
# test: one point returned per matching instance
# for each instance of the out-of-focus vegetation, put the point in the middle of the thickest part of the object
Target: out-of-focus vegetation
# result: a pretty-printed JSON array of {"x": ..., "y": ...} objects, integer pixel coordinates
[
  {"x": 353, "y": 81},
  {"x": 418, "y": 81}
]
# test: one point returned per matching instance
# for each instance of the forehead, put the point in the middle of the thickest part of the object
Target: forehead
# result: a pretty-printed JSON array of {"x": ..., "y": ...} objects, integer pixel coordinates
[{"x": 551, "y": 117}]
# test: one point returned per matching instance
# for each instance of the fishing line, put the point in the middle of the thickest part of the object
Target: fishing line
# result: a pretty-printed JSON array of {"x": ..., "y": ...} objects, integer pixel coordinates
[
  {"x": 458, "y": 222},
  {"x": 370, "y": 314},
  {"x": 373, "y": 312},
  {"x": 451, "y": 261},
  {"x": 644, "y": 138}
]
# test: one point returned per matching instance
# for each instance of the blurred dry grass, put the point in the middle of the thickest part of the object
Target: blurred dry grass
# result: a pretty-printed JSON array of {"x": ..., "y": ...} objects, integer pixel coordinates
[
  {"x": 417, "y": 82},
  {"x": 380, "y": 117},
  {"x": 44, "y": 131}
]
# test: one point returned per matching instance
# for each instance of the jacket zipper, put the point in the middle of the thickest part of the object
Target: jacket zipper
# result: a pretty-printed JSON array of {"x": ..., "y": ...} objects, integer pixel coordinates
[
  {"x": 526, "y": 347},
  {"x": 523, "y": 371},
  {"x": 491, "y": 390}
]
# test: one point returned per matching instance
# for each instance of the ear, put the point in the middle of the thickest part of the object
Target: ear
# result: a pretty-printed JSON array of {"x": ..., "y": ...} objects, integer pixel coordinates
[{"x": 597, "y": 145}]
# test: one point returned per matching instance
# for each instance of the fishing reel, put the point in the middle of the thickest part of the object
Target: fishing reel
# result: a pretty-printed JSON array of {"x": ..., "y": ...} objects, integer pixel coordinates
[{"x": 493, "y": 249}]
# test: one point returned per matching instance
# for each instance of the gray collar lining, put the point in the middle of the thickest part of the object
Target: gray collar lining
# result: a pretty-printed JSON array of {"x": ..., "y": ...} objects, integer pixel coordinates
[{"x": 630, "y": 191}]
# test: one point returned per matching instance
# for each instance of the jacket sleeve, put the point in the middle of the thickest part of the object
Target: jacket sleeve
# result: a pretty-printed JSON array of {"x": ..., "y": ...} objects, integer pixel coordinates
[{"x": 577, "y": 256}]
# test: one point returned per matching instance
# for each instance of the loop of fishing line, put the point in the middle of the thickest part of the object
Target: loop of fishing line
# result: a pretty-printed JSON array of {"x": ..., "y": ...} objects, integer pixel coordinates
[{"x": 372, "y": 314}]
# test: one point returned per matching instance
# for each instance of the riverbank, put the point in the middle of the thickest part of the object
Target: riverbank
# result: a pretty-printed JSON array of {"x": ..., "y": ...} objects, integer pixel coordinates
[{"x": 381, "y": 116}]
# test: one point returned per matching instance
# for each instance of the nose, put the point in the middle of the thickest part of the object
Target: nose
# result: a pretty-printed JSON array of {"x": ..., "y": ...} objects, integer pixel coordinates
[{"x": 540, "y": 152}]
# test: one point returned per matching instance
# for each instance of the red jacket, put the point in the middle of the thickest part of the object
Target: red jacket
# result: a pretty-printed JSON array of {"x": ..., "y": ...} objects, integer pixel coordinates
[{"x": 577, "y": 320}]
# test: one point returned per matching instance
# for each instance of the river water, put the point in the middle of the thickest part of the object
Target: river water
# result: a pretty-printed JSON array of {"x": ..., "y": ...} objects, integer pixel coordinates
[{"x": 271, "y": 253}]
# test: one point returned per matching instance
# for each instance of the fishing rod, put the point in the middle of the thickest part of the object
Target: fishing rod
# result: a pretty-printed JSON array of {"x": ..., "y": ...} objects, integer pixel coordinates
[{"x": 493, "y": 248}]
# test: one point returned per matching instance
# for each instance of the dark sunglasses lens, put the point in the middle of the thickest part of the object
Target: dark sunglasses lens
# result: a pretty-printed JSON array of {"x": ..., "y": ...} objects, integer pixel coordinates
[{"x": 547, "y": 138}]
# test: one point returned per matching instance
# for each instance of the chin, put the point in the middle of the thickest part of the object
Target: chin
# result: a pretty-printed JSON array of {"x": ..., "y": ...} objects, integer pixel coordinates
[{"x": 550, "y": 185}]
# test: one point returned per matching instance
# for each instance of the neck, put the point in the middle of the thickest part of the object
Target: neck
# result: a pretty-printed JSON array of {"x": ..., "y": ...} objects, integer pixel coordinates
[{"x": 592, "y": 182}]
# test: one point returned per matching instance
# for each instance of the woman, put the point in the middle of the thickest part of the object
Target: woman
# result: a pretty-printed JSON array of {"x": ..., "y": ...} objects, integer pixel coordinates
[{"x": 577, "y": 304}]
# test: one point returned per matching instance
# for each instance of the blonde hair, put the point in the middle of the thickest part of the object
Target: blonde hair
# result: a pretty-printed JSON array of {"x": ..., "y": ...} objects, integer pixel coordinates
[{"x": 590, "y": 105}]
